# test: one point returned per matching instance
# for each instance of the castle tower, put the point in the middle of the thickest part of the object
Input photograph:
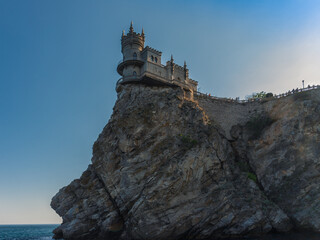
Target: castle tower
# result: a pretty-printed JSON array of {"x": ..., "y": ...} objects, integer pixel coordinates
[{"x": 132, "y": 45}]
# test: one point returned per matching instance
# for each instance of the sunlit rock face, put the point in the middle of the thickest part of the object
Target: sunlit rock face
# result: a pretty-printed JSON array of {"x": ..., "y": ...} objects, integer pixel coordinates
[
  {"x": 172, "y": 166},
  {"x": 286, "y": 158}
]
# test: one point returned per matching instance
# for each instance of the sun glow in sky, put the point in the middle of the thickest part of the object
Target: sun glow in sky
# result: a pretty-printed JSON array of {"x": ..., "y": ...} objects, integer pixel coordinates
[{"x": 58, "y": 72}]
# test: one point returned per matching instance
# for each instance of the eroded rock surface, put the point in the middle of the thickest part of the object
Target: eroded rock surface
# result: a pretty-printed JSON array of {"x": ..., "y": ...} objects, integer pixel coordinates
[
  {"x": 171, "y": 167},
  {"x": 286, "y": 158}
]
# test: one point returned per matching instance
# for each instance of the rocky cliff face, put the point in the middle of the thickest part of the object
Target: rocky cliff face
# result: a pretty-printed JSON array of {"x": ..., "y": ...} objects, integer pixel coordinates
[{"x": 168, "y": 166}]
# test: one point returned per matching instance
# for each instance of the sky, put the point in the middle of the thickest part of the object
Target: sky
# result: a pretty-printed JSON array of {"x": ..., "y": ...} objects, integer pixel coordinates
[{"x": 58, "y": 64}]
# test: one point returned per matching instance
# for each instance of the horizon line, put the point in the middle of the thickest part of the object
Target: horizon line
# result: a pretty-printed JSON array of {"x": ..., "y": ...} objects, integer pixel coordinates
[{"x": 8, "y": 224}]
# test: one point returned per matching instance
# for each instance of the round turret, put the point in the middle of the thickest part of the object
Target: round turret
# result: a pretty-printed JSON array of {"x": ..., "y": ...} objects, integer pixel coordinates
[
  {"x": 132, "y": 42},
  {"x": 131, "y": 46}
]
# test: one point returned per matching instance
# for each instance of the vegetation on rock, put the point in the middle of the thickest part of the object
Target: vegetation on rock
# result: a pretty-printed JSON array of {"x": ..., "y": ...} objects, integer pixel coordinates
[
  {"x": 252, "y": 176},
  {"x": 187, "y": 141},
  {"x": 259, "y": 95}
]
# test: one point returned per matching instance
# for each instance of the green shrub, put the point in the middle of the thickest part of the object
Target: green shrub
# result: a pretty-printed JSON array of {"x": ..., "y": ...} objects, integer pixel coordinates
[
  {"x": 187, "y": 141},
  {"x": 252, "y": 176},
  {"x": 259, "y": 95},
  {"x": 268, "y": 95}
]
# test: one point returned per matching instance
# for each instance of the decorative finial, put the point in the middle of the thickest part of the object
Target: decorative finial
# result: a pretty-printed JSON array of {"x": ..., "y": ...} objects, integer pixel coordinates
[
  {"x": 123, "y": 33},
  {"x": 142, "y": 32},
  {"x": 185, "y": 64},
  {"x": 131, "y": 27},
  {"x": 171, "y": 58}
]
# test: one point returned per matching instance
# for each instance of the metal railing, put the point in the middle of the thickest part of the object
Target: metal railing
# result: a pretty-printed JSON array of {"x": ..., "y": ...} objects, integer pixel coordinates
[
  {"x": 132, "y": 58},
  {"x": 128, "y": 78},
  {"x": 290, "y": 92},
  {"x": 119, "y": 81}
]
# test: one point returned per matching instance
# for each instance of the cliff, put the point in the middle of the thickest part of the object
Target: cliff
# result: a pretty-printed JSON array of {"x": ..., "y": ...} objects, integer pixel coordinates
[{"x": 171, "y": 166}]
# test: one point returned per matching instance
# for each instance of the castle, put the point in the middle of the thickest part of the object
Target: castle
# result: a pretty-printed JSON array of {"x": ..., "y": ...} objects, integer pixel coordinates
[{"x": 143, "y": 65}]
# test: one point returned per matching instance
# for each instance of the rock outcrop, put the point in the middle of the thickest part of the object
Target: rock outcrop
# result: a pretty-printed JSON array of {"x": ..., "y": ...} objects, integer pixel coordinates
[{"x": 172, "y": 166}]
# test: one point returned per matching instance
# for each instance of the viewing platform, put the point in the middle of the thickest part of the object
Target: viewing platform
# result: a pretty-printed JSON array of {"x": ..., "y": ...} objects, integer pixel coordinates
[
  {"x": 133, "y": 62},
  {"x": 151, "y": 79}
]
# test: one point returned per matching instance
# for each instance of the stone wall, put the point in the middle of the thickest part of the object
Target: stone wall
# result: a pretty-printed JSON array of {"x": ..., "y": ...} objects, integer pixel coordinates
[
  {"x": 155, "y": 69},
  {"x": 148, "y": 53},
  {"x": 228, "y": 114}
]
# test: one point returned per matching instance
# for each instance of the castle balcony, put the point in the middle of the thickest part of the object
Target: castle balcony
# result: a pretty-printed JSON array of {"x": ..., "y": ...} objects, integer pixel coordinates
[
  {"x": 152, "y": 79},
  {"x": 127, "y": 79},
  {"x": 123, "y": 64}
]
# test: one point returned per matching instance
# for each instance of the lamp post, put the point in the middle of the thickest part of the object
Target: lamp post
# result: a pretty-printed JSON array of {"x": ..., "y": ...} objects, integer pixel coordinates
[{"x": 302, "y": 83}]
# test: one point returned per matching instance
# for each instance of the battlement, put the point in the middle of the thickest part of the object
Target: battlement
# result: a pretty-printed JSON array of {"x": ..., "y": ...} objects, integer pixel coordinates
[
  {"x": 147, "y": 48},
  {"x": 132, "y": 34},
  {"x": 193, "y": 81},
  {"x": 132, "y": 39},
  {"x": 178, "y": 67}
]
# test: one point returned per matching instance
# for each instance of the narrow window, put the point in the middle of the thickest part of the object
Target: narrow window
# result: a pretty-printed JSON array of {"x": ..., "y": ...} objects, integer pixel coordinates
[
  {"x": 156, "y": 59},
  {"x": 134, "y": 55},
  {"x": 134, "y": 73},
  {"x": 152, "y": 58}
]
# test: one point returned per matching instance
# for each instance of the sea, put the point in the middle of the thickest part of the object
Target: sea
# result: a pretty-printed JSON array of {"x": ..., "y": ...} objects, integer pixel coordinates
[
  {"x": 27, "y": 232},
  {"x": 44, "y": 232}
]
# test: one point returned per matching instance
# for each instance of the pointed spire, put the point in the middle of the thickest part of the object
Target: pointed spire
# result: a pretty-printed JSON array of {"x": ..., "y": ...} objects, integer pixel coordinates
[
  {"x": 172, "y": 66},
  {"x": 186, "y": 71},
  {"x": 142, "y": 32},
  {"x": 123, "y": 33},
  {"x": 131, "y": 27}
]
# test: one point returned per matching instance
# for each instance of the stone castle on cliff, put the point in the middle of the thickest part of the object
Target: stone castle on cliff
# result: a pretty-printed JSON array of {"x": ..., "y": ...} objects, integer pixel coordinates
[
  {"x": 168, "y": 166},
  {"x": 143, "y": 65}
]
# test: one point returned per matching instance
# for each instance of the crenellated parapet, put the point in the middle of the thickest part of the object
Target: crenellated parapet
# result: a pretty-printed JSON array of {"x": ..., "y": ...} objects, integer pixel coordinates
[
  {"x": 147, "y": 48},
  {"x": 132, "y": 38}
]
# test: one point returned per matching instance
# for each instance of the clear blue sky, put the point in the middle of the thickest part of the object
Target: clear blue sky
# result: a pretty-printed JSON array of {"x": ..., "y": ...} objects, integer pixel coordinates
[{"x": 58, "y": 72}]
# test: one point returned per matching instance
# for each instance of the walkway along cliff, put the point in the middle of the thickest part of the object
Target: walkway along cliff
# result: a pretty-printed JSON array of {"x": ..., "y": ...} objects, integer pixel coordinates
[{"x": 172, "y": 164}]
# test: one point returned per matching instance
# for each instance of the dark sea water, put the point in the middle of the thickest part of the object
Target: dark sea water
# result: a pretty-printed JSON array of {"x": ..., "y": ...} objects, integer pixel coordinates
[
  {"x": 44, "y": 232},
  {"x": 286, "y": 236},
  {"x": 26, "y": 232}
]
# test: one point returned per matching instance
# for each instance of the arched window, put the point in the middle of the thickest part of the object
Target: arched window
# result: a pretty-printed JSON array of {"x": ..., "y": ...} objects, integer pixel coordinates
[
  {"x": 156, "y": 59},
  {"x": 134, "y": 55},
  {"x": 152, "y": 58},
  {"x": 134, "y": 73}
]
